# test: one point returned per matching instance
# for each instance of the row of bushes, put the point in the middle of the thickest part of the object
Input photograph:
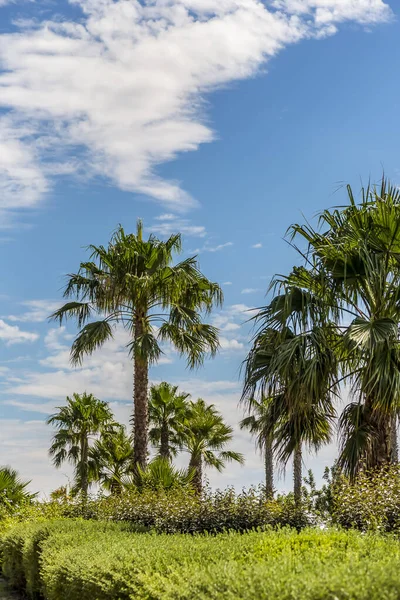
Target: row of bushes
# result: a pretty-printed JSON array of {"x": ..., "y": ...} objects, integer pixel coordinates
[
  {"x": 69, "y": 559},
  {"x": 371, "y": 502},
  {"x": 177, "y": 511}
]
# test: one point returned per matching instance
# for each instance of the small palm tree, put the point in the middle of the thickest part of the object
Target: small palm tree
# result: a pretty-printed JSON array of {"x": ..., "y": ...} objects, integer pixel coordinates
[
  {"x": 110, "y": 458},
  {"x": 83, "y": 417},
  {"x": 259, "y": 425},
  {"x": 167, "y": 412},
  {"x": 133, "y": 282},
  {"x": 159, "y": 474},
  {"x": 13, "y": 490},
  {"x": 205, "y": 438}
]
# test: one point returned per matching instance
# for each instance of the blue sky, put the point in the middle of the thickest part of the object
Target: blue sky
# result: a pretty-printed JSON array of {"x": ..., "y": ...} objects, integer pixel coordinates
[{"x": 226, "y": 120}]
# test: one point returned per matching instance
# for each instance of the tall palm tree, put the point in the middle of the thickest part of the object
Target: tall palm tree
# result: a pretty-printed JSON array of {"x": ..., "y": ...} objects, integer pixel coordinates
[
  {"x": 110, "y": 458},
  {"x": 353, "y": 269},
  {"x": 206, "y": 437},
  {"x": 167, "y": 412},
  {"x": 135, "y": 283},
  {"x": 258, "y": 423},
  {"x": 13, "y": 490},
  {"x": 293, "y": 366},
  {"x": 77, "y": 423}
]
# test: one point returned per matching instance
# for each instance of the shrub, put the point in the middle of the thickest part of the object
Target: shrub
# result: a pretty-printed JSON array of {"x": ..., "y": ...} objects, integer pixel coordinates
[
  {"x": 180, "y": 511},
  {"x": 371, "y": 502},
  {"x": 76, "y": 559}
]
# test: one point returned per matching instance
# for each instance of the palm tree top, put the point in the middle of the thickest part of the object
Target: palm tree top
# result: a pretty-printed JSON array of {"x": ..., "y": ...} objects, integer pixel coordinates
[{"x": 133, "y": 281}]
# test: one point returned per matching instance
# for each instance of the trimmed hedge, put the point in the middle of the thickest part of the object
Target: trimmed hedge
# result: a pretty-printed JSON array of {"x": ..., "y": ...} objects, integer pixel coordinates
[{"x": 75, "y": 559}]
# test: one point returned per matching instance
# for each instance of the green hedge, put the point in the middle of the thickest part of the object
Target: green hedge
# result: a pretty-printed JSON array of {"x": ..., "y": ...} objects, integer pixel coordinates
[
  {"x": 178, "y": 511},
  {"x": 76, "y": 559}
]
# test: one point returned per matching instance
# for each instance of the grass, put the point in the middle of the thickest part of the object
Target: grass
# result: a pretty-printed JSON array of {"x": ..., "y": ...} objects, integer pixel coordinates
[{"x": 74, "y": 560}]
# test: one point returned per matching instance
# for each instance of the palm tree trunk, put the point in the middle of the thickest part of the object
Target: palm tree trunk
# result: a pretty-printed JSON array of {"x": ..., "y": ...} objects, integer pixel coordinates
[
  {"x": 394, "y": 445},
  {"x": 297, "y": 474},
  {"x": 164, "y": 442},
  {"x": 84, "y": 467},
  {"x": 269, "y": 468},
  {"x": 196, "y": 464},
  {"x": 140, "y": 401}
]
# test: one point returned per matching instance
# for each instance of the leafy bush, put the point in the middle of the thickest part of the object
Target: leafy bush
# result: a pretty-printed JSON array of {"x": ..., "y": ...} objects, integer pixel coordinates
[
  {"x": 371, "y": 502},
  {"x": 76, "y": 559},
  {"x": 180, "y": 511},
  {"x": 177, "y": 510}
]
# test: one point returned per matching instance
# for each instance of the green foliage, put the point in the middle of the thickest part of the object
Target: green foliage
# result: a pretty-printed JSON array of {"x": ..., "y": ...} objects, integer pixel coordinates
[
  {"x": 74, "y": 560},
  {"x": 13, "y": 492},
  {"x": 182, "y": 511},
  {"x": 334, "y": 318},
  {"x": 83, "y": 417},
  {"x": 111, "y": 458},
  {"x": 167, "y": 412},
  {"x": 159, "y": 474},
  {"x": 370, "y": 502},
  {"x": 205, "y": 438}
]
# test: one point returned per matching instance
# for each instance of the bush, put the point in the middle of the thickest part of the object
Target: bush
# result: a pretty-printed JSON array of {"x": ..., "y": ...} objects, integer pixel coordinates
[
  {"x": 371, "y": 502},
  {"x": 179, "y": 511},
  {"x": 76, "y": 559}
]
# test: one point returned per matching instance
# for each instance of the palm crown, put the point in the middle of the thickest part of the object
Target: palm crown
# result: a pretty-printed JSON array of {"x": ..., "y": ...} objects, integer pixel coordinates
[
  {"x": 78, "y": 422},
  {"x": 206, "y": 436},
  {"x": 110, "y": 458},
  {"x": 168, "y": 409}
]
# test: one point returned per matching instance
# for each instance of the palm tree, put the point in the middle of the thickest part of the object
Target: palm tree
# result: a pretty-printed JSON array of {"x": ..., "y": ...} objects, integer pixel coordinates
[
  {"x": 13, "y": 490},
  {"x": 134, "y": 282},
  {"x": 353, "y": 270},
  {"x": 110, "y": 458},
  {"x": 259, "y": 425},
  {"x": 205, "y": 438},
  {"x": 159, "y": 474},
  {"x": 167, "y": 412},
  {"x": 293, "y": 367},
  {"x": 83, "y": 417}
]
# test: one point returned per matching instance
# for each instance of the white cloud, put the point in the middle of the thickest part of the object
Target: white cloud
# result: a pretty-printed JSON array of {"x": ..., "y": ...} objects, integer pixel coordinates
[
  {"x": 227, "y": 283},
  {"x": 330, "y": 12},
  {"x": 122, "y": 88},
  {"x": 12, "y": 334},
  {"x": 208, "y": 248},
  {"x": 249, "y": 290},
  {"x": 38, "y": 310},
  {"x": 227, "y": 344},
  {"x": 169, "y": 224},
  {"x": 259, "y": 245}
]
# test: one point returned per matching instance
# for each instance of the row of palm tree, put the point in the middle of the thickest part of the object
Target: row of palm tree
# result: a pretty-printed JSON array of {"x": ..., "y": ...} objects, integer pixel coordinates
[
  {"x": 101, "y": 450},
  {"x": 333, "y": 321}
]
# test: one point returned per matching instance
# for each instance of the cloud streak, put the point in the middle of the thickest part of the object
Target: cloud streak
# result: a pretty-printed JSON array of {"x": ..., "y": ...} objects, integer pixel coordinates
[{"x": 122, "y": 89}]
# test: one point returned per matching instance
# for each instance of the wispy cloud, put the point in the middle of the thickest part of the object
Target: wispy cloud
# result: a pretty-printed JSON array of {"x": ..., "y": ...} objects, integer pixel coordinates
[
  {"x": 121, "y": 88},
  {"x": 259, "y": 245},
  {"x": 227, "y": 283},
  {"x": 168, "y": 224},
  {"x": 208, "y": 248},
  {"x": 38, "y": 310},
  {"x": 249, "y": 290},
  {"x": 12, "y": 334}
]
